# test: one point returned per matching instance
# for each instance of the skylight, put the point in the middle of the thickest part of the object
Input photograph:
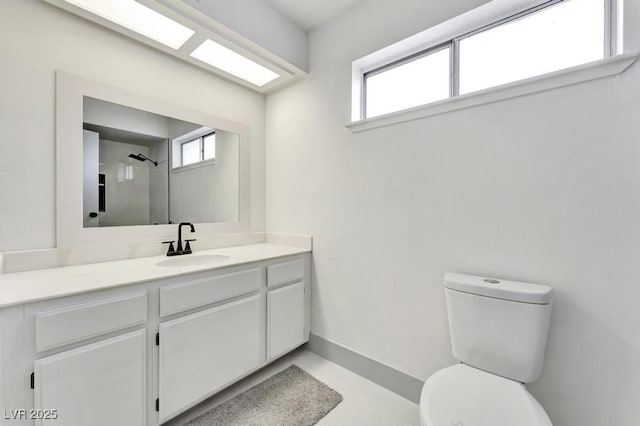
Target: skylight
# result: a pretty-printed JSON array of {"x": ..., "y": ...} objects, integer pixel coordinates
[
  {"x": 229, "y": 61},
  {"x": 139, "y": 18}
]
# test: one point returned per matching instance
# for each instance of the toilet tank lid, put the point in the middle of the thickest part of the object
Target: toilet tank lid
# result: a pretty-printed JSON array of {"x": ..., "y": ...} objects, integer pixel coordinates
[{"x": 499, "y": 289}]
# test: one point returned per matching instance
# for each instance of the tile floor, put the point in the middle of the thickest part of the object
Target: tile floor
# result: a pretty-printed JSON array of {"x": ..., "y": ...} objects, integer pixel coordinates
[{"x": 364, "y": 403}]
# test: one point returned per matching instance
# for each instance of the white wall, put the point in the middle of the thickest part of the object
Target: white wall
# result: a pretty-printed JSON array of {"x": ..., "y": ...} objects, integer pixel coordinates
[
  {"x": 544, "y": 188},
  {"x": 38, "y": 39}
]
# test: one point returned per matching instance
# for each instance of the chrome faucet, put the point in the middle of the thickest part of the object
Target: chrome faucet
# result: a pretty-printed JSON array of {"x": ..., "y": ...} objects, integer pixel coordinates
[{"x": 187, "y": 247}]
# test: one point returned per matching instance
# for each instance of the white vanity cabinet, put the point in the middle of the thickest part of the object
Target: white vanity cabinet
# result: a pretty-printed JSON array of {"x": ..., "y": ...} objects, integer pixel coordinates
[
  {"x": 141, "y": 354},
  {"x": 99, "y": 384},
  {"x": 91, "y": 359},
  {"x": 205, "y": 351},
  {"x": 286, "y": 311},
  {"x": 286, "y": 307}
]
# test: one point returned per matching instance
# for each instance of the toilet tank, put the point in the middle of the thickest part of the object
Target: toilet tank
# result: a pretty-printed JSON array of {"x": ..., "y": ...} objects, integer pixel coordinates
[{"x": 499, "y": 326}]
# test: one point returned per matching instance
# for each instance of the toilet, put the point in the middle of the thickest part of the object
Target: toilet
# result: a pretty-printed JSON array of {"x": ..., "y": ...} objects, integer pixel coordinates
[{"x": 499, "y": 334}]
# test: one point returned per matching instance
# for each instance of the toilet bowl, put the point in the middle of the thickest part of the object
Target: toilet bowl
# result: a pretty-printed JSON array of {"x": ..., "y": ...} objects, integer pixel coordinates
[
  {"x": 465, "y": 396},
  {"x": 499, "y": 332}
]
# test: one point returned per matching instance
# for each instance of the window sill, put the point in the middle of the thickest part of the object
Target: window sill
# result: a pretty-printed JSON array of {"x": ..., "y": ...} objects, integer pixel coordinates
[
  {"x": 608, "y": 67},
  {"x": 203, "y": 163}
]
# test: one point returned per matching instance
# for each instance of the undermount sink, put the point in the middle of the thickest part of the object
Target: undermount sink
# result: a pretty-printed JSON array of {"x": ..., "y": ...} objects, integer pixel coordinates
[{"x": 193, "y": 260}]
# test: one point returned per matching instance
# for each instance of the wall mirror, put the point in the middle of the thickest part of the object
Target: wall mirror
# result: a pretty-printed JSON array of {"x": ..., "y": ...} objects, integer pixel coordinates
[
  {"x": 141, "y": 168},
  {"x": 130, "y": 166}
]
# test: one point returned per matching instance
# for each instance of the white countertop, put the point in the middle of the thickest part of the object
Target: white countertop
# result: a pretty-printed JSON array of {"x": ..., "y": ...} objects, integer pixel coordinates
[{"x": 26, "y": 287}]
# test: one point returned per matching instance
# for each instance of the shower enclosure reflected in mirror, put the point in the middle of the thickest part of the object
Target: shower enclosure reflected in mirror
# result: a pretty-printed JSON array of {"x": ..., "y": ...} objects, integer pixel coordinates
[{"x": 142, "y": 168}]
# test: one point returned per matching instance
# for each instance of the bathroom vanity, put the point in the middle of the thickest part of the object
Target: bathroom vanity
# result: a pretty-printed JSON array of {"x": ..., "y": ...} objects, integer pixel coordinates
[
  {"x": 138, "y": 341},
  {"x": 94, "y": 340}
]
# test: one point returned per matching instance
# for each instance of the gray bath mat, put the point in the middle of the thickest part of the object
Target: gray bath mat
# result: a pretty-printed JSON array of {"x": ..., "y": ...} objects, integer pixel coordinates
[{"x": 292, "y": 397}]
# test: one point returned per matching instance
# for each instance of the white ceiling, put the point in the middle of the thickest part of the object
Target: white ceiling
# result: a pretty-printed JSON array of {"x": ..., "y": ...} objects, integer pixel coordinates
[{"x": 311, "y": 13}]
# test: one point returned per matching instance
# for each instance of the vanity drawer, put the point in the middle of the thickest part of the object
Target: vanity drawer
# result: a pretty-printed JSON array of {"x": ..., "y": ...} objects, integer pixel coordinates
[
  {"x": 71, "y": 324},
  {"x": 286, "y": 272},
  {"x": 192, "y": 294}
]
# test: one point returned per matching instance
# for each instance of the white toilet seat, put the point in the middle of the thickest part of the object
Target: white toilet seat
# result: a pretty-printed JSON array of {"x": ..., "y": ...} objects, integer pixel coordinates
[{"x": 465, "y": 396}]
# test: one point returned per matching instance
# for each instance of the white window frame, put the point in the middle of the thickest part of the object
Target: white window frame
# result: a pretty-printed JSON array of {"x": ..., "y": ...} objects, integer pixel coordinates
[
  {"x": 182, "y": 144},
  {"x": 492, "y": 14},
  {"x": 403, "y": 61},
  {"x": 200, "y": 140},
  {"x": 176, "y": 148}
]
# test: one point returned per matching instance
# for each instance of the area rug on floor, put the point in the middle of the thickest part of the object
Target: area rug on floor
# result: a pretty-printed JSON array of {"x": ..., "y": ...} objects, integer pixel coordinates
[{"x": 292, "y": 397}]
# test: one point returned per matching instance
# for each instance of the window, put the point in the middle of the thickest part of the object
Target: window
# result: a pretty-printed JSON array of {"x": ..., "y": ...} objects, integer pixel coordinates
[
  {"x": 191, "y": 152},
  {"x": 199, "y": 149},
  {"x": 559, "y": 36},
  {"x": 411, "y": 82},
  {"x": 209, "y": 146},
  {"x": 555, "y": 35}
]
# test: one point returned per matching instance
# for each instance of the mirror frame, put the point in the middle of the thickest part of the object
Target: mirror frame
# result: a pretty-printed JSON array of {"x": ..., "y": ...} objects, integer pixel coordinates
[{"x": 70, "y": 93}]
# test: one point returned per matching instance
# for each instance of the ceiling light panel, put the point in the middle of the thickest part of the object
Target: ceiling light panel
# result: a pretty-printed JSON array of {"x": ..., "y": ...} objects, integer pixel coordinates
[
  {"x": 139, "y": 18},
  {"x": 233, "y": 63}
]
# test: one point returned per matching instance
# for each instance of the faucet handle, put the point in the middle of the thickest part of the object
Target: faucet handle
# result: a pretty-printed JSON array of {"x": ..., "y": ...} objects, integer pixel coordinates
[
  {"x": 172, "y": 250},
  {"x": 187, "y": 247}
]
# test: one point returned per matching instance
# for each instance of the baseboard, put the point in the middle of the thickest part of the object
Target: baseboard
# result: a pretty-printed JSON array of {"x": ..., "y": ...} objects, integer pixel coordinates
[{"x": 396, "y": 381}]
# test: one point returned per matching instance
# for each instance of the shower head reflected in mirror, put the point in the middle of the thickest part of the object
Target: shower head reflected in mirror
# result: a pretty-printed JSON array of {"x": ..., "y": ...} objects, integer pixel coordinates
[{"x": 141, "y": 157}]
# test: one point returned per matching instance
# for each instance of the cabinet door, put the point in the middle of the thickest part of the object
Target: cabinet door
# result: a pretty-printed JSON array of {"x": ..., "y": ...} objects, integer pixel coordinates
[
  {"x": 203, "y": 352},
  {"x": 98, "y": 384},
  {"x": 285, "y": 307}
]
